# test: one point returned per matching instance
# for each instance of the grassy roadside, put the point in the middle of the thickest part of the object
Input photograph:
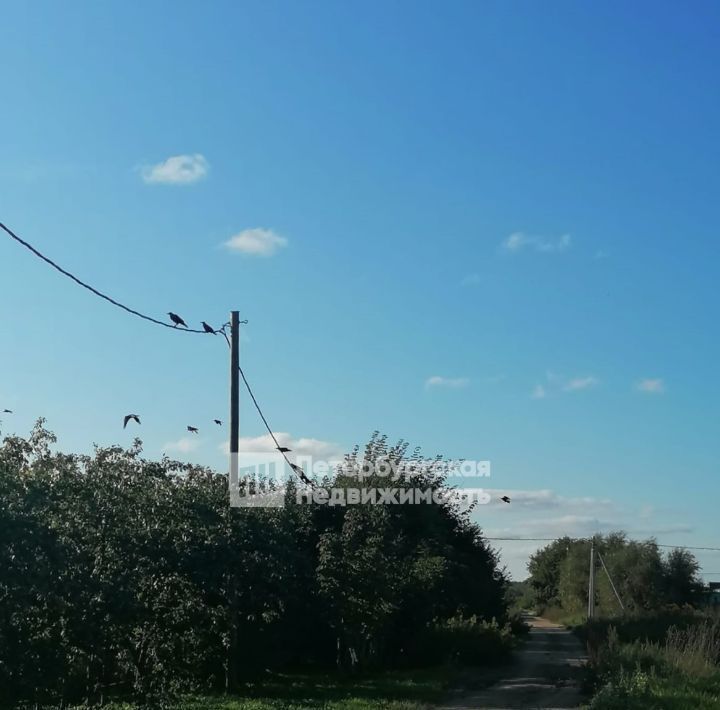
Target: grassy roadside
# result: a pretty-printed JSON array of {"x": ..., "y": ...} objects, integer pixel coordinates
[
  {"x": 402, "y": 690},
  {"x": 667, "y": 661},
  {"x": 467, "y": 654},
  {"x": 396, "y": 691}
]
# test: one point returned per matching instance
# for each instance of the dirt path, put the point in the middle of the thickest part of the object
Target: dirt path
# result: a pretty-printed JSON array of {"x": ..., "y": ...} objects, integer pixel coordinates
[{"x": 545, "y": 674}]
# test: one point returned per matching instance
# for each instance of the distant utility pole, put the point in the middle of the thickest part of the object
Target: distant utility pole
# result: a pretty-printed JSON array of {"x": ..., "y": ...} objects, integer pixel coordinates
[
  {"x": 591, "y": 584},
  {"x": 234, "y": 403}
]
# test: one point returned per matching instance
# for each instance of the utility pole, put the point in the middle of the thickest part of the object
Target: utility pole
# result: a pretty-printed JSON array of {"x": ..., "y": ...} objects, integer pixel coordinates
[
  {"x": 591, "y": 584},
  {"x": 234, "y": 404},
  {"x": 231, "y": 667}
]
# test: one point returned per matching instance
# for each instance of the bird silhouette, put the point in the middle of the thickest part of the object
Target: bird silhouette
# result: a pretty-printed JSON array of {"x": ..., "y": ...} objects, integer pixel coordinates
[
  {"x": 218, "y": 422},
  {"x": 284, "y": 449},
  {"x": 505, "y": 499},
  {"x": 7, "y": 411},
  {"x": 300, "y": 473},
  {"x": 208, "y": 328},
  {"x": 175, "y": 318},
  {"x": 128, "y": 417},
  {"x": 192, "y": 429}
]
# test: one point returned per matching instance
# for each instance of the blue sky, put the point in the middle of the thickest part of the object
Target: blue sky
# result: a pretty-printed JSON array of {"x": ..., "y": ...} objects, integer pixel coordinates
[{"x": 519, "y": 200}]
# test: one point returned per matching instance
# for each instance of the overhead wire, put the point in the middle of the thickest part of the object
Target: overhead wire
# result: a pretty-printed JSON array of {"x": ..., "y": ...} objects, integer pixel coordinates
[{"x": 90, "y": 288}]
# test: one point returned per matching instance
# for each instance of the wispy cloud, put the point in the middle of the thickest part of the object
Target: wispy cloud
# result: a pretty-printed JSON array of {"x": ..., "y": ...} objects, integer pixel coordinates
[
  {"x": 651, "y": 386},
  {"x": 183, "y": 446},
  {"x": 578, "y": 525},
  {"x": 519, "y": 241},
  {"x": 545, "y": 513},
  {"x": 538, "y": 392},
  {"x": 301, "y": 446},
  {"x": 450, "y": 382},
  {"x": 256, "y": 242},
  {"x": 543, "y": 499},
  {"x": 177, "y": 170},
  {"x": 580, "y": 383},
  {"x": 556, "y": 384}
]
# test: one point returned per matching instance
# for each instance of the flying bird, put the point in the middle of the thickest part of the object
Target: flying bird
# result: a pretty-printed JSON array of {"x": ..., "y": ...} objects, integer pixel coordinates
[
  {"x": 218, "y": 422},
  {"x": 7, "y": 411},
  {"x": 505, "y": 499},
  {"x": 300, "y": 473},
  {"x": 175, "y": 318},
  {"x": 208, "y": 328},
  {"x": 128, "y": 417},
  {"x": 284, "y": 449},
  {"x": 192, "y": 429}
]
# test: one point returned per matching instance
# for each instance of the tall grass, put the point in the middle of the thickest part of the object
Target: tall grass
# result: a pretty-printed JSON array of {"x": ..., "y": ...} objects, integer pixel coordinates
[
  {"x": 696, "y": 649},
  {"x": 679, "y": 670}
]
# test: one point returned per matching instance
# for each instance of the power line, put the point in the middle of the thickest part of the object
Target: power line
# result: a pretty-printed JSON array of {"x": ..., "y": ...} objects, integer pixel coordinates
[
  {"x": 132, "y": 311},
  {"x": 526, "y": 539},
  {"x": 553, "y": 539},
  {"x": 612, "y": 584},
  {"x": 293, "y": 467},
  {"x": 690, "y": 547},
  {"x": 93, "y": 290}
]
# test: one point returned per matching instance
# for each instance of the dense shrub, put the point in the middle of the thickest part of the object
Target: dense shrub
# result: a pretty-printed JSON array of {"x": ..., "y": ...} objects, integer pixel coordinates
[
  {"x": 464, "y": 641},
  {"x": 123, "y": 575}
]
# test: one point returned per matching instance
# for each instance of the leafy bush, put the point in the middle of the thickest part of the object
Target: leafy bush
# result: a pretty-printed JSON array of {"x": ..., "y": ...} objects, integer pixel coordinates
[
  {"x": 134, "y": 577},
  {"x": 466, "y": 641},
  {"x": 518, "y": 625}
]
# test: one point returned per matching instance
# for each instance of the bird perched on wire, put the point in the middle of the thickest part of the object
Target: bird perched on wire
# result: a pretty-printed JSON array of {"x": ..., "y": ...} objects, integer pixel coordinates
[
  {"x": 192, "y": 429},
  {"x": 128, "y": 417},
  {"x": 505, "y": 499},
  {"x": 300, "y": 473},
  {"x": 177, "y": 320},
  {"x": 218, "y": 422},
  {"x": 208, "y": 328},
  {"x": 284, "y": 449}
]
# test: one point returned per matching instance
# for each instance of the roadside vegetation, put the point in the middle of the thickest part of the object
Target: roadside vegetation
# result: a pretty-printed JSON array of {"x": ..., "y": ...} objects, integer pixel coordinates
[
  {"x": 661, "y": 661},
  {"x": 127, "y": 579},
  {"x": 662, "y": 650}
]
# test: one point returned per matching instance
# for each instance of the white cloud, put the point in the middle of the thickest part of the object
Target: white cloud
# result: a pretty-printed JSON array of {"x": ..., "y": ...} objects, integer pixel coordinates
[
  {"x": 538, "y": 392},
  {"x": 543, "y": 513},
  {"x": 302, "y": 446},
  {"x": 256, "y": 242},
  {"x": 177, "y": 170},
  {"x": 580, "y": 383},
  {"x": 451, "y": 382},
  {"x": 651, "y": 386},
  {"x": 183, "y": 446},
  {"x": 518, "y": 241}
]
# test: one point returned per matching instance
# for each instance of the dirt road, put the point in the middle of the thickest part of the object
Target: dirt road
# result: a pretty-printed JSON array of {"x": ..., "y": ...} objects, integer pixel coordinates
[{"x": 545, "y": 674}]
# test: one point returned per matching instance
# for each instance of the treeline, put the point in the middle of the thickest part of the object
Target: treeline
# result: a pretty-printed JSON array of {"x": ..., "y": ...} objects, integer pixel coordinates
[
  {"x": 644, "y": 578},
  {"x": 124, "y": 575}
]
